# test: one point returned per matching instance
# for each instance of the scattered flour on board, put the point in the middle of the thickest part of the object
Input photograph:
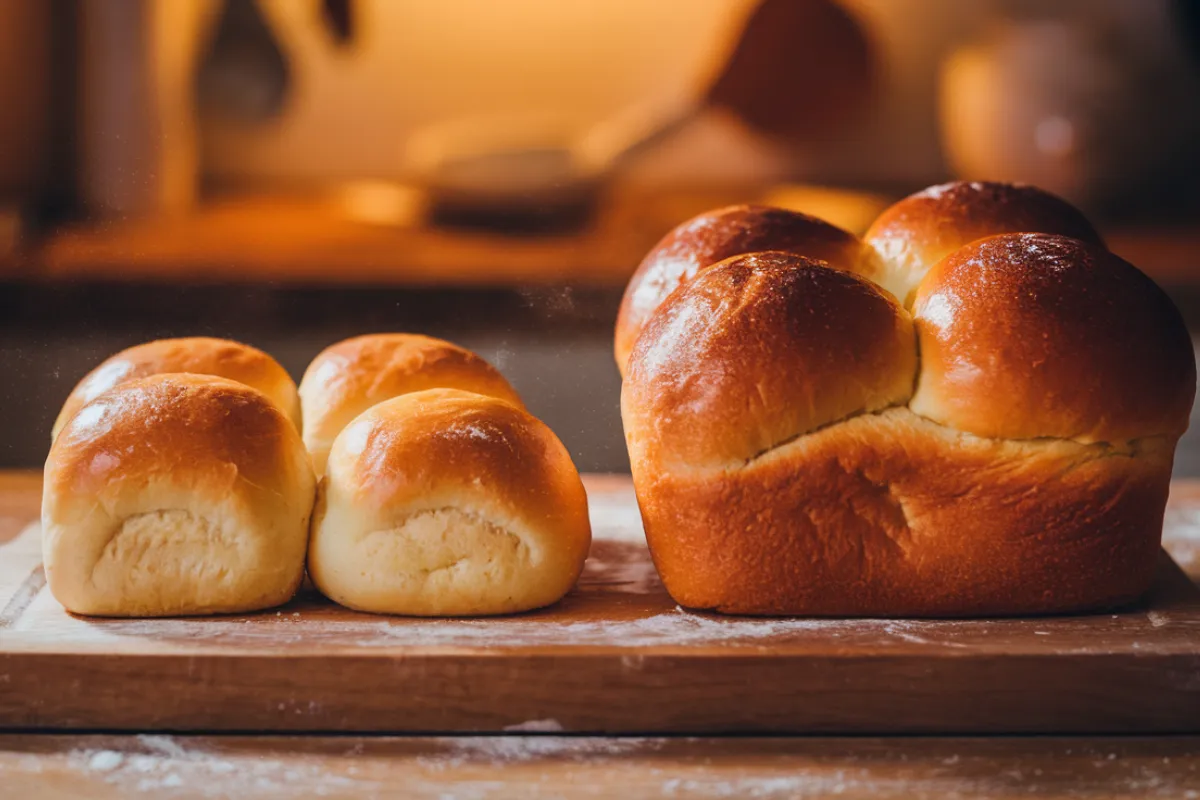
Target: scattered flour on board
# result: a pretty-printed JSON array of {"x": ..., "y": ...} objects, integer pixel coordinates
[
  {"x": 676, "y": 627},
  {"x": 104, "y": 760},
  {"x": 500, "y": 750},
  {"x": 161, "y": 764},
  {"x": 536, "y": 726},
  {"x": 857, "y": 781},
  {"x": 789, "y": 786}
]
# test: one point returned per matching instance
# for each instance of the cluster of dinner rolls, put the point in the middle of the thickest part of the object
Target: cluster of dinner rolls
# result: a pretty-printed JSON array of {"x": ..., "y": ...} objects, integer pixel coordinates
[
  {"x": 441, "y": 495},
  {"x": 349, "y": 377},
  {"x": 179, "y": 482},
  {"x": 974, "y": 411}
]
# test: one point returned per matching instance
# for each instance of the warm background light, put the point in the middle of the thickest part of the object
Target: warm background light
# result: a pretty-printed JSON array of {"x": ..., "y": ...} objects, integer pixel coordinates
[{"x": 416, "y": 64}]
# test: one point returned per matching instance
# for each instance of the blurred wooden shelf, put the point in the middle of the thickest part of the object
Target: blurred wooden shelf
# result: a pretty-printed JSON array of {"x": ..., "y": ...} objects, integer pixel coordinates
[
  {"x": 1170, "y": 255},
  {"x": 318, "y": 240},
  {"x": 306, "y": 241},
  {"x": 330, "y": 239}
]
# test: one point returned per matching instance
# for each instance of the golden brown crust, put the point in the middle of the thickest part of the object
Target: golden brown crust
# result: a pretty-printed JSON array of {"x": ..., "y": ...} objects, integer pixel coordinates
[
  {"x": 923, "y": 228},
  {"x": 486, "y": 475},
  {"x": 166, "y": 424},
  {"x": 176, "y": 494},
  {"x": 1032, "y": 335},
  {"x": 759, "y": 349},
  {"x": 349, "y": 377},
  {"x": 1028, "y": 473},
  {"x": 717, "y": 235},
  {"x": 197, "y": 354},
  {"x": 415, "y": 446},
  {"x": 892, "y": 515}
]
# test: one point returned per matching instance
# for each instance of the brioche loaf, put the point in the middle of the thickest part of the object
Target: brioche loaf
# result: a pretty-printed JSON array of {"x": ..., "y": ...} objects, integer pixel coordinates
[
  {"x": 349, "y": 377},
  {"x": 446, "y": 502},
  {"x": 176, "y": 494},
  {"x": 803, "y": 442},
  {"x": 196, "y": 354}
]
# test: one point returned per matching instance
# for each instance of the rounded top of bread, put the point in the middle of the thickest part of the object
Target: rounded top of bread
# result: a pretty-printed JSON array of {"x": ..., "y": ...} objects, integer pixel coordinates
[
  {"x": 199, "y": 355},
  {"x": 1019, "y": 325},
  {"x": 347, "y": 378}
]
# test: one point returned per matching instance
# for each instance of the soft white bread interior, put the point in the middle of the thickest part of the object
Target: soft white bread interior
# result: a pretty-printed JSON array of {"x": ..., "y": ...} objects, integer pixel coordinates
[
  {"x": 176, "y": 494},
  {"x": 447, "y": 503},
  {"x": 349, "y": 377},
  {"x": 196, "y": 354}
]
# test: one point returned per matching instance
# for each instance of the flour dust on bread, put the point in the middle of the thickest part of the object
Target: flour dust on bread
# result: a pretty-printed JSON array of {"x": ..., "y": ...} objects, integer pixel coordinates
[
  {"x": 199, "y": 355},
  {"x": 176, "y": 494},
  {"x": 984, "y": 422},
  {"x": 349, "y": 377}
]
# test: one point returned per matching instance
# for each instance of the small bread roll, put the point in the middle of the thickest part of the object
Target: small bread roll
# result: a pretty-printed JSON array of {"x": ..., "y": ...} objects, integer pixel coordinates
[
  {"x": 197, "y": 354},
  {"x": 349, "y": 377},
  {"x": 448, "y": 503},
  {"x": 176, "y": 494},
  {"x": 717, "y": 235}
]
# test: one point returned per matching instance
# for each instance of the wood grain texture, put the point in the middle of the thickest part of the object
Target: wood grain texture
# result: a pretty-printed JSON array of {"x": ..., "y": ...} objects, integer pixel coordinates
[
  {"x": 312, "y": 666},
  {"x": 577, "y": 767}
]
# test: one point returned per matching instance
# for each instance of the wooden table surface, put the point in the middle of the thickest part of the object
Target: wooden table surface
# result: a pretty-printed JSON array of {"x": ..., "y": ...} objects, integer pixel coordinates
[
  {"x": 473, "y": 768},
  {"x": 312, "y": 666},
  {"x": 534, "y": 762}
]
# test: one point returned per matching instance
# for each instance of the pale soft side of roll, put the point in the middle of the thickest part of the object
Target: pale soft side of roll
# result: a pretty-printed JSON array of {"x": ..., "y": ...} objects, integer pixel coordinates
[
  {"x": 177, "y": 494},
  {"x": 448, "y": 503},
  {"x": 197, "y": 354},
  {"x": 804, "y": 443},
  {"x": 349, "y": 377}
]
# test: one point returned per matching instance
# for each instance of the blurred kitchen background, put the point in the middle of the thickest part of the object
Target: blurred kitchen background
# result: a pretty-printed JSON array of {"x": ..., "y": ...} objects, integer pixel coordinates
[{"x": 291, "y": 172}]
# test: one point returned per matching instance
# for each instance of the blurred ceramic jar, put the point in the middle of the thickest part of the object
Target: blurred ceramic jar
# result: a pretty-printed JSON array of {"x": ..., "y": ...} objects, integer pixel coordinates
[{"x": 1097, "y": 103}]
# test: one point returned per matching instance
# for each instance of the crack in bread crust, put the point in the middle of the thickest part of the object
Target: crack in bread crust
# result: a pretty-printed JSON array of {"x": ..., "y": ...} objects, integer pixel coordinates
[
  {"x": 888, "y": 514},
  {"x": 1000, "y": 441}
]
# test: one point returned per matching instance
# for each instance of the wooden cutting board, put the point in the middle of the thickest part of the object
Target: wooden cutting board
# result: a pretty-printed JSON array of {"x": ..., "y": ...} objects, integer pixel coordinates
[{"x": 616, "y": 656}]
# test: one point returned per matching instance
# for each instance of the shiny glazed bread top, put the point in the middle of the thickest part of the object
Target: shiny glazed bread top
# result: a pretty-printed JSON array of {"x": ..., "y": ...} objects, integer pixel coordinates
[{"x": 1015, "y": 335}]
